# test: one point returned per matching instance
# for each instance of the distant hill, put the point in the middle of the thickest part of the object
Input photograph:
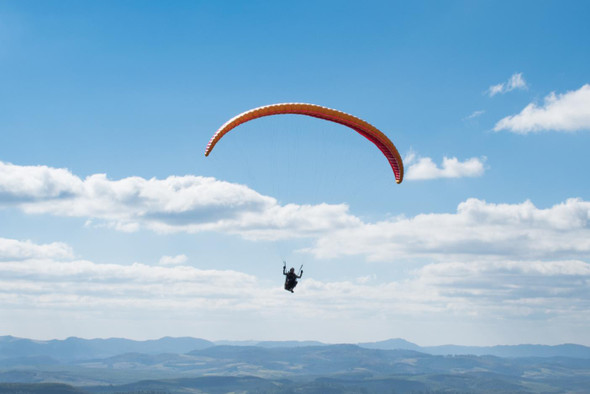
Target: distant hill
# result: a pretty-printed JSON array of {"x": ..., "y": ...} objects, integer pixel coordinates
[
  {"x": 391, "y": 344},
  {"x": 270, "y": 344},
  {"x": 325, "y": 385},
  {"x": 206, "y": 384},
  {"x": 40, "y": 388},
  {"x": 284, "y": 344},
  {"x": 77, "y": 348},
  {"x": 565, "y": 350},
  {"x": 33, "y": 352}
]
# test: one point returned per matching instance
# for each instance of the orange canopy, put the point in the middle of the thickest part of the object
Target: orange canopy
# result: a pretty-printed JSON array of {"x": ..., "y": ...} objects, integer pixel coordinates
[{"x": 365, "y": 129}]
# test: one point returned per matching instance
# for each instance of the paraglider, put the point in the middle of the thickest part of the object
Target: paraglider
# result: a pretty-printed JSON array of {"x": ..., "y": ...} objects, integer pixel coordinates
[
  {"x": 365, "y": 129},
  {"x": 291, "y": 277},
  {"x": 370, "y": 132}
]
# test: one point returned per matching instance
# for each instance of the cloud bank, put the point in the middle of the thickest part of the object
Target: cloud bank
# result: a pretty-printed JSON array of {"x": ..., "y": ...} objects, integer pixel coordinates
[
  {"x": 31, "y": 279},
  {"x": 567, "y": 112},
  {"x": 176, "y": 204},
  {"x": 483, "y": 261},
  {"x": 476, "y": 231},
  {"x": 33, "y": 283}
]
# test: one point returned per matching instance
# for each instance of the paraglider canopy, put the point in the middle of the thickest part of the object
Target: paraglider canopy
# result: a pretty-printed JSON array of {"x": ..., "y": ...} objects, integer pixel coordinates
[{"x": 365, "y": 129}]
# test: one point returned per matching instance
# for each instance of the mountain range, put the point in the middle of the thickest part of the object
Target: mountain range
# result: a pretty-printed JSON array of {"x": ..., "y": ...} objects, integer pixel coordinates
[
  {"x": 192, "y": 365},
  {"x": 77, "y": 348}
]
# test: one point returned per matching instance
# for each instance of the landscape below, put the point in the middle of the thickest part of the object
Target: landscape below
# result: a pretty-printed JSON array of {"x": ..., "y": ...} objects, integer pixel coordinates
[{"x": 192, "y": 365}]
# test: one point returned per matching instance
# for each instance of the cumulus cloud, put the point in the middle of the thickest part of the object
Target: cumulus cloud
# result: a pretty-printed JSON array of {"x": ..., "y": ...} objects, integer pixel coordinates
[
  {"x": 424, "y": 168},
  {"x": 56, "y": 284},
  {"x": 516, "y": 81},
  {"x": 568, "y": 112},
  {"x": 175, "y": 204},
  {"x": 173, "y": 260},
  {"x": 11, "y": 249},
  {"x": 502, "y": 289},
  {"x": 476, "y": 230},
  {"x": 35, "y": 183},
  {"x": 510, "y": 287}
]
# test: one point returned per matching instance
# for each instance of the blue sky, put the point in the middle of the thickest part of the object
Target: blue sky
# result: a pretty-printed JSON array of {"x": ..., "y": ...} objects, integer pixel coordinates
[{"x": 113, "y": 223}]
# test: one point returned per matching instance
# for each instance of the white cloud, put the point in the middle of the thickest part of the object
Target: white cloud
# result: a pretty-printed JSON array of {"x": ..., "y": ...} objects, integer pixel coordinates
[
  {"x": 31, "y": 183},
  {"x": 425, "y": 168},
  {"x": 478, "y": 230},
  {"x": 475, "y": 114},
  {"x": 173, "y": 260},
  {"x": 499, "y": 289},
  {"x": 516, "y": 81},
  {"x": 493, "y": 287},
  {"x": 11, "y": 249},
  {"x": 511, "y": 288},
  {"x": 569, "y": 111},
  {"x": 73, "y": 285},
  {"x": 175, "y": 204}
]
